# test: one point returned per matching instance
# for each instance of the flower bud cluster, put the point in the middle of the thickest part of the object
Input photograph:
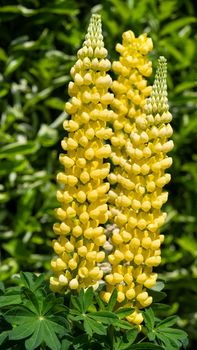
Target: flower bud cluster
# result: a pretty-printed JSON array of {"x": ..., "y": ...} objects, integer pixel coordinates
[{"x": 83, "y": 197}]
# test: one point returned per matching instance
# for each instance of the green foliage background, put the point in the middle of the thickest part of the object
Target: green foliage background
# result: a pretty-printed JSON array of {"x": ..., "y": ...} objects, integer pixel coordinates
[{"x": 38, "y": 45}]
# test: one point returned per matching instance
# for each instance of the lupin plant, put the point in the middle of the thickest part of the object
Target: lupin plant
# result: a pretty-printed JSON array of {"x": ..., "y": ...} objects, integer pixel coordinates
[
  {"x": 84, "y": 197},
  {"x": 114, "y": 171}
]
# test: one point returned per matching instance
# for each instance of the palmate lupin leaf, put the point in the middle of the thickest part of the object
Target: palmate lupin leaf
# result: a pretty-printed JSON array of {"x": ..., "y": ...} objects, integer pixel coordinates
[
  {"x": 40, "y": 317},
  {"x": 162, "y": 332}
]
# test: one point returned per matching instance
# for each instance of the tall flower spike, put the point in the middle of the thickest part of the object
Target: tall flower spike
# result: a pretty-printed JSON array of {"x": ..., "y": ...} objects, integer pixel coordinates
[
  {"x": 130, "y": 91},
  {"x": 83, "y": 196},
  {"x": 137, "y": 209}
]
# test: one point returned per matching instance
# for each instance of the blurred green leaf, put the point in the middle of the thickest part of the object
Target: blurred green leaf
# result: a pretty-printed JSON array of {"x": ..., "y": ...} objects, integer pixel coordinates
[
  {"x": 167, "y": 8},
  {"x": 37, "y": 97},
  {"x": 55, "y": 103},
  {"x": 177, "y": 24},
  {"x": 4, "y": 197},
  {"x": 4, "y": 89},
  {"x": 188, "y": 244},
  {"x": 18, "y": 148},
  {"x": 47, "y": 136},
  {"x": 120, "y": 8},
  {"x": 185, "y": 86},
  {"x": 16, "y": 249},
  {"x": 3, "y": 56},
  {"x": 13, "y": 165},
  {"x": 13, "y": 64},
  {"x": 17, "y": 9}
]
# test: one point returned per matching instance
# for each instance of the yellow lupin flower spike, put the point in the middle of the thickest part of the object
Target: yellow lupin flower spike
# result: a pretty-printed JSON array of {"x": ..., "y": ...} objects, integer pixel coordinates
[
  {"x": 136, "y": 142},
  {"x": 137, "y": 210},
  {"x": 130, "y": 91},
  {"x": 83, "y": 196}
]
